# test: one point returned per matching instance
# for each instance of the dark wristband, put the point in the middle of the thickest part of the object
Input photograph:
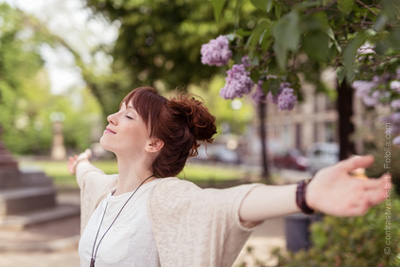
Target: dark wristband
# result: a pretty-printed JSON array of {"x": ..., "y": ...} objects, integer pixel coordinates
[{"x": 301, "y": 196}]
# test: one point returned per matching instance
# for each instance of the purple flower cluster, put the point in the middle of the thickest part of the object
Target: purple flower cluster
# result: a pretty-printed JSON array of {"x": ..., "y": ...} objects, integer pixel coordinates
[
  {"x": 246, "y": 61},
  {"x": 394, "y": 120},
  {"x": 371, "y": 96},
  {"x": 395, "y": 85},
  {"x": 216, "y": 52},
  {"x": 363, "y": 90},
  {"x": 237, "y": 83},
  {"x": 285, "y": 98},
  {"x": 395, "y": 104},
  {"x": 259, "y": 96},
  {"x": 366, "y": 48}
]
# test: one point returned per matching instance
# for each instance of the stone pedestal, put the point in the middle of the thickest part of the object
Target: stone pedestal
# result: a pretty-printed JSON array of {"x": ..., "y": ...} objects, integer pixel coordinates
[{"x": 24, "y": 192}]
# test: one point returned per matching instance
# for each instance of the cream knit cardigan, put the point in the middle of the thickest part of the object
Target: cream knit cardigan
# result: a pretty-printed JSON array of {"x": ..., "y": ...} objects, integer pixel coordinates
[{"x": 192, "y": 226}]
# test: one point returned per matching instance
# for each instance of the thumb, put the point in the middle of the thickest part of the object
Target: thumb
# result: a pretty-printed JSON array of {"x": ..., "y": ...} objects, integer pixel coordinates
[{"x": 356, "y": 162}]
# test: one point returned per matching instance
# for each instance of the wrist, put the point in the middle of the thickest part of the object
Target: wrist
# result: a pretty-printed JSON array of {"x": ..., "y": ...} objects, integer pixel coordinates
[
  {"x": 83, "y": 157},
  {"x": 303, "y": 197}
]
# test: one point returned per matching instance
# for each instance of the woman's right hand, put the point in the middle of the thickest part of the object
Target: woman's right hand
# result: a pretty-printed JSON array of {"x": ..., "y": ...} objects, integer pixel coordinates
[{"x": 73, "y": 161}]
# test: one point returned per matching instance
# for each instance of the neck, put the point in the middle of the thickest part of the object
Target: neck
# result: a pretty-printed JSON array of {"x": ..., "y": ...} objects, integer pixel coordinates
[{"x": 131, "y": 175}]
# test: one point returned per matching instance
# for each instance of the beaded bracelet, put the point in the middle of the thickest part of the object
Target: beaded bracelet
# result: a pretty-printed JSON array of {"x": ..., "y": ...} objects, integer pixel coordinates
[{"x": 301, "y": 197}]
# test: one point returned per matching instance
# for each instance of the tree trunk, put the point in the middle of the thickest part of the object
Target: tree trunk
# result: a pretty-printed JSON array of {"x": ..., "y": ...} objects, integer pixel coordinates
[
  {"x": 263, "y": 135},
  {"x": 344, "y": 107}
]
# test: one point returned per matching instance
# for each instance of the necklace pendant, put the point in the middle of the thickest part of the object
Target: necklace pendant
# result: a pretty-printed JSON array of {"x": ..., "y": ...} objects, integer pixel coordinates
[{"x": 92, "y": 262}]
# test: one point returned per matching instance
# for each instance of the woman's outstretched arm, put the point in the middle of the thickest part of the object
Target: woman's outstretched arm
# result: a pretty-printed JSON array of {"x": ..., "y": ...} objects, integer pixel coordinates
[{"x": 332, "y": 191}]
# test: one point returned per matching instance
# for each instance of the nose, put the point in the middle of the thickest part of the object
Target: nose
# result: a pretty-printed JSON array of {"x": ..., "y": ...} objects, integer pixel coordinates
[{"x": 112, "y": 118}]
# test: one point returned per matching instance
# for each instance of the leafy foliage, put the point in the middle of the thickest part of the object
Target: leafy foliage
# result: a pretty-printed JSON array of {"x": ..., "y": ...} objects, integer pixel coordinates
[
  {"x": 308, "y": 36},
  {"x": 25, "y": 90},
  {"x": 159, "y": 43},
  {"x": 369, "y": 240}
]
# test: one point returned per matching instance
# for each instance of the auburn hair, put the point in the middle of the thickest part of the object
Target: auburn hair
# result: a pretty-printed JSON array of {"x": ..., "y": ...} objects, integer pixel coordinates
[{"x": 180, "y": 122}]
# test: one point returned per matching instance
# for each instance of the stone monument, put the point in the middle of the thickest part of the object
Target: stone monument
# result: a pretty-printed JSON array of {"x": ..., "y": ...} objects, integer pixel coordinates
[{"x": 26, "y": 196}]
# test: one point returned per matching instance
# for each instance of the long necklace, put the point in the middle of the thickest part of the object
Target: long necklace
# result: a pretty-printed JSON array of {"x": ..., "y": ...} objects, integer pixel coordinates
[{"x": 95, "y": 248}]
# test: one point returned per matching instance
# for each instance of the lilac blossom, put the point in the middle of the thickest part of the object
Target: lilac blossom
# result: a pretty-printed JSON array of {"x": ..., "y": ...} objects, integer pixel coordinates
[
  {"x": 259, "y": 96},
  {"x": 385, "y": 119},
  {"x": 287, "y": 99},
  {"x": 246, "y": 61},
  {"x": 371, "y": 100},
  {"x": 395, "y": 85},
  {"x": 395, "y": 104},
  {"x": 237, "y": 83},
  {"x": 366, "y": 48},
  {"x": 395, "y": 129},
  {"x": 363, "y": 87},
  {"x": 398, "y": 74},
  {"x": 395, "y": 118},
  {"x": 216, "y": 52},
  {"x": 396, "y": 141},
  {"x": 273, "y": 98}
]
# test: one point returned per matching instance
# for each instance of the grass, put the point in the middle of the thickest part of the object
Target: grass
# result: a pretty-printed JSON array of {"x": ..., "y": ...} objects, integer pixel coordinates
[{"x": 199, "y": 174}]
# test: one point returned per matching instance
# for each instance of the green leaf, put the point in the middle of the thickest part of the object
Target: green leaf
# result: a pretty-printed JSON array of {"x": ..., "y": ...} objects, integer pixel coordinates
[
  {"x": 381, "y": 47},
  {"x": 349, "y": 54},
  {"x": 269, "y": 5},
  {"x": 262, "y": 4},
  {"x": 316, "y": 45},
  {"x": 278, "y": 11},
  {"x": 287, "y": 31},
  {"x": 257, "y": 34},
  {"x": 340, "y": 73},
  {"x": 380, "y": 22},
  {"x": 394, "y": 38},
  {"x": 281, "y": 55},
  {"x": 271, "y": 85},
  {"x": 325, "y": 2},
  {"x": 332, "y": 36},
  {"x": 242, "y": 33},
  {"x": 255, "y": 75},
  {"x": 218, "y": 6},
  {"x": 346, "y": 6}
]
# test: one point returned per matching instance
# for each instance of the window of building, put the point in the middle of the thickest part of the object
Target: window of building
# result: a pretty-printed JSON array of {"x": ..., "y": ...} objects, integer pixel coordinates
[{"x": 330, "y": 131}]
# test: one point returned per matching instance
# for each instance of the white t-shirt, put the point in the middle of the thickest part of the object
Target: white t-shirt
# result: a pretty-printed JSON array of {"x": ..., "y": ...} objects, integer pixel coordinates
[{"x": 130, "y": 241}]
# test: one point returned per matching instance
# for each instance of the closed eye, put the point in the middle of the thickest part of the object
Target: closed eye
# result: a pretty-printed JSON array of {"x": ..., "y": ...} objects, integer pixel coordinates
[{"x": 129, "y": 117}]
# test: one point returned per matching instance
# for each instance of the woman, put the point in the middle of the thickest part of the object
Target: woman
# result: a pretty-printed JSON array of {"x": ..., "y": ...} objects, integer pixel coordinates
[{"x": 139, "y": 217}]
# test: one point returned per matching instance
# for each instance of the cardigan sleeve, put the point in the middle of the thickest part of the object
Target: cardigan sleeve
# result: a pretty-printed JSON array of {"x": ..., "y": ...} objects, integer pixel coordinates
[
  {"x": 94, "y": 185},
  {"x": 197, "y": 227}
]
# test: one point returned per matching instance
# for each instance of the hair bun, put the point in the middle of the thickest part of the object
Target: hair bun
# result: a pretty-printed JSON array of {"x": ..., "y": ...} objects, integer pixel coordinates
[{"x": 199, "y": 120}]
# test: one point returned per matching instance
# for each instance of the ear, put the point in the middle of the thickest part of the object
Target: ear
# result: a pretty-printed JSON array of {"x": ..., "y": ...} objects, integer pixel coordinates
[{"x": 154, "y": 145}]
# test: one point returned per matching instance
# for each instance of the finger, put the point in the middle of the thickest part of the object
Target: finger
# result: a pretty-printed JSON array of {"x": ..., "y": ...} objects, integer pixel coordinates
[
  {"x": 383, "y": 181},
  {"x": 356, "y": 162},
  {"x": 357, "y": 210}
]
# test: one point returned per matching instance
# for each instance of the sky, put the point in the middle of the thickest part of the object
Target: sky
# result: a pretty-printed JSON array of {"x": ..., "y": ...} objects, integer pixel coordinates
[{"x": 76, "y": 25}]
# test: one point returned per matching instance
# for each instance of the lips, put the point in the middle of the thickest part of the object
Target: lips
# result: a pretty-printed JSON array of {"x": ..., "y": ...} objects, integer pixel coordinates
[{"x": 108, "y": 130}]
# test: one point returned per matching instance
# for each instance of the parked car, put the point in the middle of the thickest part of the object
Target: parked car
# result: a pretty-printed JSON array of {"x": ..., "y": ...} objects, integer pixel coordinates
[
  {"x": 322, "y": 155},
  {"x": 291, "y": 159},
  {"x": 218, "y": 153},
  {"x": 222, "y": 154}
]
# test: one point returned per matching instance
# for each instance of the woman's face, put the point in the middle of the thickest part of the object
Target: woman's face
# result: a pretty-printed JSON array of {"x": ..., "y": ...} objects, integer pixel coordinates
[{"x": 126, "y": 133}]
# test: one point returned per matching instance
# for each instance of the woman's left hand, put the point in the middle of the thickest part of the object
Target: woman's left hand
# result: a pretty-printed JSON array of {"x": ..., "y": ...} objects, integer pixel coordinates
[{"x": 334, "y": 191}]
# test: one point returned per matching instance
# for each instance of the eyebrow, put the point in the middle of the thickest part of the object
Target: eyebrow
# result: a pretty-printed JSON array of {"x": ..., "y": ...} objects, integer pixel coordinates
[{"x": 132, "y": 108}]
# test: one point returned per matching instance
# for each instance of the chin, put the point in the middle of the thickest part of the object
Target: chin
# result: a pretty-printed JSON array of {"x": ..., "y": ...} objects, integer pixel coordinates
[{"x": 105, "y": 145}]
